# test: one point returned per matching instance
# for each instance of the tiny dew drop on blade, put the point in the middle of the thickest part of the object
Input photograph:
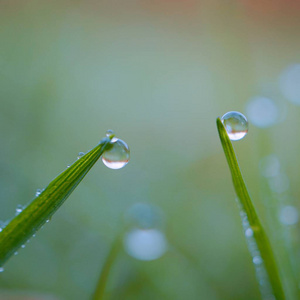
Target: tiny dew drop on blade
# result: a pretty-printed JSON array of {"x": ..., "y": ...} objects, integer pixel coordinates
[
  {"x": 236, "y": 125},
  {"x": 118, "y": 155}
]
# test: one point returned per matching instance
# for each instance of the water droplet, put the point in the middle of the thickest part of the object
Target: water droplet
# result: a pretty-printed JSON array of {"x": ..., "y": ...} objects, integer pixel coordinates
[
  {"x": 235, "y": 124},
  {"x": 23, "y": 246},
  {"x": 0, "y": 229},
  {"x": 38, "y": 192},
  {"x": 1, "y": 270},
  {"x": 248, "y": 232},
  {"x": 80, "y": 154},
  {"x": 47, "y": 221},
  {"x": 16, "y": 253},
  {"x": 118, "y": 156},
  {"x": 257, "y": 260},
  {"x": 33, "y": 235},
  {"x": 289, "y": 215},
  {"x": 289, "y": 83},
  {"x": 147, "y": 244},
  {"x": 68, "y": 166},
  {"x": 262, "y": 112},
  {"x": 109, "y": 133},
  {"x": 19, "y": 209}
]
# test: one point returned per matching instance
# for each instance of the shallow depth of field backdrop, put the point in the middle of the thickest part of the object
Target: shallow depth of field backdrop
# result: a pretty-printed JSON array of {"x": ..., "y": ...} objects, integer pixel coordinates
[{"x": 158, "y": 73}]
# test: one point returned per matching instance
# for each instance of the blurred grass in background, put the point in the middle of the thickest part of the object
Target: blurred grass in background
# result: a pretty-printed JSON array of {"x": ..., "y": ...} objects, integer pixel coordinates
[{"x": 158, "y": 73}]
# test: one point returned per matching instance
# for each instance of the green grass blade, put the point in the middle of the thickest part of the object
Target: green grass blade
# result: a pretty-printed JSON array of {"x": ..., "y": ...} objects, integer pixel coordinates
[
  {"x": 24, "y": 225},
  {"x": 246, "y": 205},
  {"x": 108, "y": 264}
]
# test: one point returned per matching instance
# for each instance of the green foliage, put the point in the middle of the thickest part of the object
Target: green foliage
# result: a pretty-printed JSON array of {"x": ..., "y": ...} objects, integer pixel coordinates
[
  {"x": 246, "y": 204},
  {"x": 41, "y": 209}
]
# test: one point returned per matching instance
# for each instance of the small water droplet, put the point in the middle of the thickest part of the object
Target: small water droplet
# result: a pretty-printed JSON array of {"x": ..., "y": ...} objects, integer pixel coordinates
[
  {"x": 47, "y": 221},
  {"x": 257, "y": 260},
  {"x": 248, "y": 232},
  {"x": 235, "y": 124},
  {"x": 68, "y": 166},
  {"x": 38, "y": 192},
  {"x": 80, "y": 154},
  {"x": 16, "y": 253},
  {"x": 109, "y": 133},
  {"x": 0, "y": 229},
  {"x": 19, "y": 209},
  {"x": 23, "y": 246},
  {"x": 1, "y": 270},
  {"x": 118, "y": 156},
  {"x": 33, "y": 235}
]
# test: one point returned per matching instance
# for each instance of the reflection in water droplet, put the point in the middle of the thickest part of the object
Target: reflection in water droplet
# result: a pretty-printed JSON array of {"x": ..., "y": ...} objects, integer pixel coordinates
[
  {"x": 80, "y": 154},
  {"x": 149, "y": 244},
  {"x": 109, "y": 133},
  {"x": 269, "y": 166},
  {"x": 262, "y": 112},
  {"x": 289, "y": 83},
  {"x": 289, "y": 215},
  {"x": 118, "y": 156},
  {"x": 235, "y": 124},
  {"x": 1, "y": 269}
]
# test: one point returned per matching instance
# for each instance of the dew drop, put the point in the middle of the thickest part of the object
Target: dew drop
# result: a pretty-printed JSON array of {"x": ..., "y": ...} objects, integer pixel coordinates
[
  {"x": 257, "y": 260},
  {"x": 68, "y": 166},
  {"x": 1, "y": 270},
  {"x": 23, "y": 246},
  {"x": 109, "y": 133},
  {"x": 38, "y": 192},
  {"x": 235, "y": 124},
  {"x": 80, "y": 154},
  {"x": 33, "y": 235},
  {"x": 149, "y": 244},
  {"x": 47, "y": 221},
  {"x": 248, "y": 232},
  {"x": 16, "y": 253},
  {"x": 19, "y": 209},
  {"x": 118, "y": 156}
]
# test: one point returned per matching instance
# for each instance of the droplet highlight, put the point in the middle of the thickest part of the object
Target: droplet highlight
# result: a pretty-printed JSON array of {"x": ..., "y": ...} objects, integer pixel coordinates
[
  {"x": 117, "y": 156},
  {"x": 19, "y": 209},
  {"x": 236, "y": 125},
  {"x": 1, "y": 270}
]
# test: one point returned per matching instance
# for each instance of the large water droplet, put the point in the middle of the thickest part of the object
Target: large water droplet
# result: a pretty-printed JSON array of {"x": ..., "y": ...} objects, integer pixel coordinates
[
  {"x": 117, "y": 156},
  {"x": 235, "y": 124},
  {"x": 146, "y": 244}
]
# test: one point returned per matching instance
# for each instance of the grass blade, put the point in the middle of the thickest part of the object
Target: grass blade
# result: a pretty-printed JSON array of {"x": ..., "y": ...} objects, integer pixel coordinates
[
  {"x": 246, "y": 205},
  {"x": 24, "y": 225},
  {"x": 108, "y": 264}
]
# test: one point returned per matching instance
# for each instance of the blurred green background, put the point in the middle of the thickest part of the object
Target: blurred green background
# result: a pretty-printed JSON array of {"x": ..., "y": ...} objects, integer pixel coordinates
[{"x": 158, "y": 73}]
